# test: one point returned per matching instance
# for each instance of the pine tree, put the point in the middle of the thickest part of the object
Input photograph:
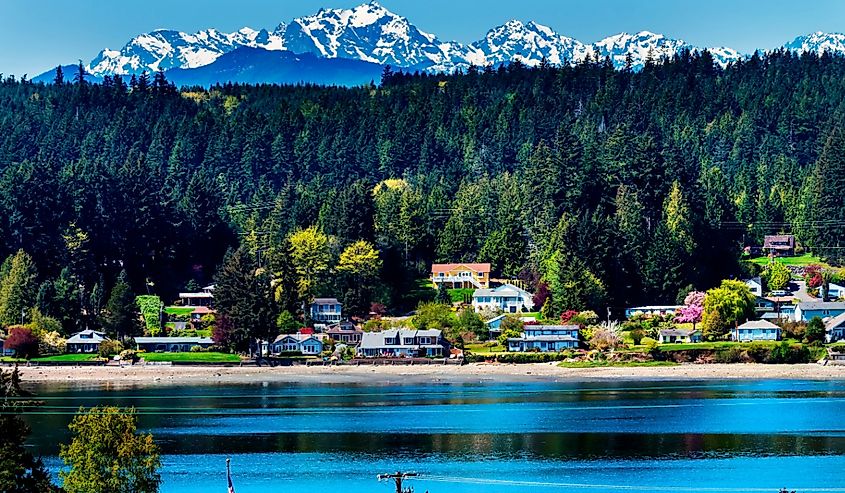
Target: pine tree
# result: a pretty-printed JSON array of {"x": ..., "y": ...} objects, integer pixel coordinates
[
  {"x": 121, "y": 317},
  {"x": 17, "y": 288},
  {"x": 59, "y": 80}
]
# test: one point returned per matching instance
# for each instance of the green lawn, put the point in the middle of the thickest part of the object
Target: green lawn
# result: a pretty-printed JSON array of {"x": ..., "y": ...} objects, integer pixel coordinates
[
  {"x": 461, "y": 295},
  {"x": 608, "y": 364},
  {"x": 801, "y": 260},
  {"x": 55, "y": 357},
  {"x": 178, "y": 310},
  {"x": 481, "y": 348},
  {"x": 197, "y": 357}
]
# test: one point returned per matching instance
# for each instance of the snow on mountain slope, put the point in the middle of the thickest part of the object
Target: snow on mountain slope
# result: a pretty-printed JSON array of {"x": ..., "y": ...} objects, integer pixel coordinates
[
  {"x": 818, "y": 42},
  {"x": 168, "y": 49},
  {"x": 372, "y": 33},
  {"x": 529, "y": 43}
]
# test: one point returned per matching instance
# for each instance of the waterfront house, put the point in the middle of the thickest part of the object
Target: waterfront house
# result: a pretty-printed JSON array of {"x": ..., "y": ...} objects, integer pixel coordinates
[
  {"x": 674, "y": 336},
  {"x": 403, "y": 343},
  {"x": 835, "y": 291},
  {"x": 470, "y": 276},
  {"x": 202, "y": 298},
  {"x": 651, "y": 310},
  {"x": 199, "y": 312},
  {"x": 764, "y": 305},
  {"x": 305, "y": 343},
  {"x": 171, "y": 344},
  {"x": 779, "y": 245},
  {"x": 545, "y": 338},
  {"x": 507, "y": 298},
  {"x": 86, "y": 341},
  {"x": 326, "y": 311},
  {"x": 755, "y": 284},
  {"x": 756, "y": 330},
  {"x": 345, "y": 332},
  {"x": 834, "y": 328},
  {"x": 494, "y": 325},
  {"x": 805, "y": 311}
]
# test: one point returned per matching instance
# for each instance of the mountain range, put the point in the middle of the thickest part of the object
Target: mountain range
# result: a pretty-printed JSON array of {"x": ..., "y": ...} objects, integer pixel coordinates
[{"x": 348, "y": 47}]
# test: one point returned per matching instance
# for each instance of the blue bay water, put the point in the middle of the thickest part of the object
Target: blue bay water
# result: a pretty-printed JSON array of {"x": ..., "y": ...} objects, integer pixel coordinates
[{"x": 600, "y": 436}]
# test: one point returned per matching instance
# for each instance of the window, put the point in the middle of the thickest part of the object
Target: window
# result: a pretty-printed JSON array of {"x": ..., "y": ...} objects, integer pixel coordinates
[{"x": 409, "y": 340}]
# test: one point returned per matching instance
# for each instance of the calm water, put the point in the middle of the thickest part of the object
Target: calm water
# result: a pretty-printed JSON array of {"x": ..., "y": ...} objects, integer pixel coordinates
[{"x": 592, "y": 437}]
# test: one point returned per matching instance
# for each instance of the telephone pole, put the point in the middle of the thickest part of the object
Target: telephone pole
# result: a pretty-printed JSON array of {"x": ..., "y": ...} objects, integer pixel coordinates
[{"x": 398, "y": 477}]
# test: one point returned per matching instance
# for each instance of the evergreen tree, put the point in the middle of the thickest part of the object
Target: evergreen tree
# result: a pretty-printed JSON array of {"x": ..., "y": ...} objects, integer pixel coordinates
[
  {"x": 59, "y": 79},
  {"x": 17, "y": 288},
  {"x": 243, "y": 294},
  {"x": 121, "y": 313}
]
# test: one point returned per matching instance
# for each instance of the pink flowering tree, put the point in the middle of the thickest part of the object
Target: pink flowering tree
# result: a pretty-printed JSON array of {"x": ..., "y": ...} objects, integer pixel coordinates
[{"x": 692, "y": 309}]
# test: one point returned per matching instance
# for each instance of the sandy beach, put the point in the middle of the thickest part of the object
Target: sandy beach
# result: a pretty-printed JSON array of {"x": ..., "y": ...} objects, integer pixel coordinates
[{"x": 478, "y": 372}]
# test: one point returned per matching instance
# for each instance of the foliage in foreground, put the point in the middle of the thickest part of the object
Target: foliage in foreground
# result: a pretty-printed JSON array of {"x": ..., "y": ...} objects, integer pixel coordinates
[{"x": 108, "y": 455}]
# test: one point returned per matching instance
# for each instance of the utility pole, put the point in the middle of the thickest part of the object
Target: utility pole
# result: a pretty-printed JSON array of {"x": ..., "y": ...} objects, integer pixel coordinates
[{"x": 398, "y": 477}]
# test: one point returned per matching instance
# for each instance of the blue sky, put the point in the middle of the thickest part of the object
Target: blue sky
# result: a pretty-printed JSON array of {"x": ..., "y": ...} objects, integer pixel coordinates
[{"x": 37, "y": 35}]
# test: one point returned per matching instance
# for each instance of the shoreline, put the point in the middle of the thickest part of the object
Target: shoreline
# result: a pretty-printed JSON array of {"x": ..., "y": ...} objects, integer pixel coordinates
[{"x": 480, "y": 373}]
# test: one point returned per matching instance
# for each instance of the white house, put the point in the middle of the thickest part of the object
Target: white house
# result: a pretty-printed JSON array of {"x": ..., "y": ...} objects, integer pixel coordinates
[
  {"x": 86, "y": 341},
  {"x": 507, "y": 298},
  {"x": 651, "y": 310},
  {"x": 756, "y": 330},
  {"x": 201, "y": 298},
  {"x": 755, "y": 284},
  {"x": 834, "y": 329},
  {"x": 835, "y": 291}
]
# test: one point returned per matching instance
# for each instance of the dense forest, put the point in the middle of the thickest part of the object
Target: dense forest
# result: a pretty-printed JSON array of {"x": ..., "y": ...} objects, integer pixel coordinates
[{"x": 617, "y": 187}]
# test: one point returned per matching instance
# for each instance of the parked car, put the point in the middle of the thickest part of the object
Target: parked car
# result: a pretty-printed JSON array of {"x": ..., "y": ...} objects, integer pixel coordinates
[{"x": 779, "y": 292}]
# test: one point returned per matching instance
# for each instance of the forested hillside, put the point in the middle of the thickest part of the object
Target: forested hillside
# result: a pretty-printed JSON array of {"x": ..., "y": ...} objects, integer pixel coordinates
[{"x": 618, "y": 187}]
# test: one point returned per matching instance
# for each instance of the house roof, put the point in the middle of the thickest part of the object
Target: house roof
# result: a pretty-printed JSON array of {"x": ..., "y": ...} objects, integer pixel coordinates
[
  {"x": 202, "y": 310},
  {"x": 92, "y": 337},
  {"x": 758, "y": 324},
  {"x": 173, "y": 340},
  {"x": 300, "y": 337},
  {"x": 656, "y": 307},
  {"x": 325, "y": 301},
  {"x": 678, "y": 332},
  {"x": 772, "y": 241},
  {"x": 503, "y": 290},
  {"x": 196, "y": 295},
  {"x": 834, "y": 322},
  {"x": 756, "y": 280},
  {"x": 558, "y": 327},
  {"x": 548, "y": 338},
  {"x": 822, "y": 305},
  {"x": 376, "y": 339},
  {"x": 483, "y": 267},
  {"x": 342, "y": 328}
]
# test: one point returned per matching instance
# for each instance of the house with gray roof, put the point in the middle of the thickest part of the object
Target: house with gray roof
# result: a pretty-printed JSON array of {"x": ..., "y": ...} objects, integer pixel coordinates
[
  {"x": 86, "y": 341},
  {"x": 545, "y": 338},
  {"x": 171, "y": 344},
  {"x": 805, "y": 311},
  {"x": 672, "y": 336},
  {"x": 756, "y": 330},
  {"x": 305, "y": 343},
  {"x": 403, "y": 343},
  {"x": 834, "y": 328},
  {"x": 507, "y": 298}
]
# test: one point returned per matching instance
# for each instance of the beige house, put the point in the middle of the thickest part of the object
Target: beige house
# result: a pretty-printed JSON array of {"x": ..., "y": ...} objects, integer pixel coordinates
[{"x": 473, "y": 276}]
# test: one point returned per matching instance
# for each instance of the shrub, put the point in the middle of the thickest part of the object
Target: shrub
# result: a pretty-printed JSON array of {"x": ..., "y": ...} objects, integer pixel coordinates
[
  {"x": 110, "y": 348},
  {"x": 129, "y": 355},
  {"x": 814, "y": 331},
  {"x": 197, "y": 349},
  {"x": 733, "y": 354},
  {"x": 23, "y": 341},
  {"x": 52, "y": 343},
  {"x": 637, "y": 336}
]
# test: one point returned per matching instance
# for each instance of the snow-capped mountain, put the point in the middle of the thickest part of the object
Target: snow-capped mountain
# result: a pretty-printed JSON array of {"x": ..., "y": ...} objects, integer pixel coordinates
[
  {"x": 373, "y": 34},
  {"x": 818, "y": 42},
  {"x": 529, "y": 43},
  {"x": 168, "y": 49}
]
